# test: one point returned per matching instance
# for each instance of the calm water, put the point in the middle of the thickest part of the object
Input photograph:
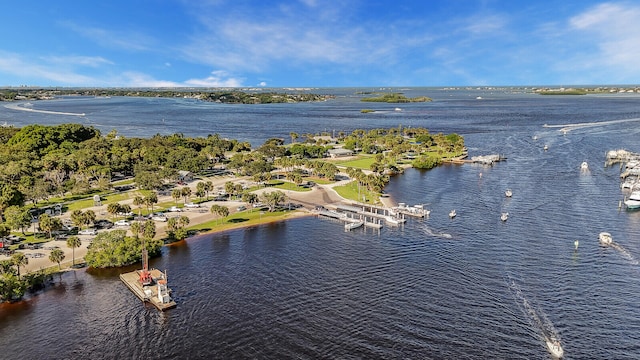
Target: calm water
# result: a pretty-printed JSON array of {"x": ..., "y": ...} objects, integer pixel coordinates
[{"x": 465, "y": 288}]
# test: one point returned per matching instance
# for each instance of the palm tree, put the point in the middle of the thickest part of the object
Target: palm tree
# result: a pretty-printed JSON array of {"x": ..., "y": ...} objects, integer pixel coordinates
[
  {"x": 138, "y": 201},
  {"x": 176, "y": 194},
  {"x": 185, "y": 192},
  {"x": 208, "y": 186},
  {"x": 151, "y": 199},
  {"x": 57, "y": 255},
  {"x": 113, "y": 209},
  {"x": 18, "y": 260},
  {"x": 73, "y": 242}
]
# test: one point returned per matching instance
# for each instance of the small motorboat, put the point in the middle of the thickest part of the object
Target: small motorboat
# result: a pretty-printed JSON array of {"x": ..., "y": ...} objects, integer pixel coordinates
[
  {"x": 508, "y": 193},
  {"x": 554, "y": 347},
  {"x": 605, "y": 238},
  {"x": 584, "y": 166},
  {"x": 452, "y": 213},
  {"x": 504, "y": 216},
  {"x": 546, "y": 147}
]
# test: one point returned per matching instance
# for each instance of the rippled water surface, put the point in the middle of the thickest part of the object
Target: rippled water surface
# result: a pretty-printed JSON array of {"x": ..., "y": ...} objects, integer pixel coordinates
[{"x": 470, "y": 287}]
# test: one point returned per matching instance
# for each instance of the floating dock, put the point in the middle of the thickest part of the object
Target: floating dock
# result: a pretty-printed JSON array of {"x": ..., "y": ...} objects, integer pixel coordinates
[{"x": 156, "y": 293}]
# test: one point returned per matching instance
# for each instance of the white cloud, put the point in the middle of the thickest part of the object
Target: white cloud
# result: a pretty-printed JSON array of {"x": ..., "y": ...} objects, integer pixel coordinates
[
  {"x": 89, "y": 61},
  {"x": 262, "y": 84},
  {"x": 128, "y": 40},
  {"x": 614, "y": 30},
  {"x": 216, "y": 79},
  {"x": 25, "y": 68}
]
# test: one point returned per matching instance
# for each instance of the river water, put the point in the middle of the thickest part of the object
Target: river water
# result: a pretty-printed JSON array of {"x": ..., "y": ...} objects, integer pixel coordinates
[{"x": 472, "y": 287}]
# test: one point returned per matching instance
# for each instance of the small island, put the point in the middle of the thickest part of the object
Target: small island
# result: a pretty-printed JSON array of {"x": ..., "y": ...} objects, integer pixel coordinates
[{"x": 396, "y": 98}]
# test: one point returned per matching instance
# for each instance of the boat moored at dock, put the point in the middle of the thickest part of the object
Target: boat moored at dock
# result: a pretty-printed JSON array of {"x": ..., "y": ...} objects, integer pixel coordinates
[{"x": 633, "y": 202}]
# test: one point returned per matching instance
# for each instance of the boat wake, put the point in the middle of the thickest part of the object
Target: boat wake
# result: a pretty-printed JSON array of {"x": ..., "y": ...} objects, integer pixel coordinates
[
  {"x": 625, "y": 253},
  {"x": 568, "y": 127},
  {"x": 537, "y": 319},
  {"x": 442, "y": 235},
  {"x": 23, "y": 108}
]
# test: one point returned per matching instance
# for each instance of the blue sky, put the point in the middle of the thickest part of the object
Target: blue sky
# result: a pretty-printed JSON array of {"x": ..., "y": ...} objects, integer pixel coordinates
[{"x": 319, "y": 43}]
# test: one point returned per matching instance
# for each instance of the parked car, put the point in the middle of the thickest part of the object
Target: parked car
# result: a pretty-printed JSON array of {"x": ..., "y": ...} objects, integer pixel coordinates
[
  {"x": 242, "y": 208},
  {"x": 121, "y": 223},
  {"x": 191, "y": 205},
  {"x": 175, "y": 209},
  {"x": 89, "y": 231}
]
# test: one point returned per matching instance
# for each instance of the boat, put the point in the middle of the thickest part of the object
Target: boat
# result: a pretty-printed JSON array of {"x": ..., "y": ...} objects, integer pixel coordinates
[
  {"x": 554, "y": 347},
  {"x": 508, "y": 193},
  {"x": 452, "y": 213},
  {"x": 353, "y": 225},
  {"x": 504, "y": 216},
  {"x": 397, "y": 109},
  {"x": 605, "y": 238},
  {"x": 584, "y": 166},
  {"x": 633, "y": 201},
  {"x": 546, "y": 147},
  {"x": 395, "y": 220}
]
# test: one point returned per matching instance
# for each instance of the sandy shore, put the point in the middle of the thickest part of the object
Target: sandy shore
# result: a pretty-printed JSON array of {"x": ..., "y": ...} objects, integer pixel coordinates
[{"x": 323, "y": 195}]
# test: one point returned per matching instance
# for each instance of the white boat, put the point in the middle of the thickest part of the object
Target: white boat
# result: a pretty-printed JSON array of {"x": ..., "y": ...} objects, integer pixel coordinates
[
  {"x": 605, "y": 238},
  {"x": 397, "y": 109},
  {"x": 633, "y": 201},
  {"x": 353, "y": 225},
  {"x": 395, "y": 220},
  {"x": 546, "y": 147},
  {"x": 508, "y": 193},
  {"x": 584, "y": 166},
  {"x": 504, "y": 216},
  {"x": 554, "y": 347},
  {"x": 452, "y": 213}
]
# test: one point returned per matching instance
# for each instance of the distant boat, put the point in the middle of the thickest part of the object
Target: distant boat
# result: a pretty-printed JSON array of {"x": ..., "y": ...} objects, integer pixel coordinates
[
  {"x": 478, "y": 97},
  {"x": 605, "y": 238},
  {"x": 452, "y": 213},
  {"x": 397, "y": 109},
  {"x": 504, "y": 216},
  {"x": 633, "y": 202},
  {"x": 546, "y": 147},
  {"x": 508, "y": 193},
  {"x": 554, "y": 347},
  {"x": 584, "y": 166}
]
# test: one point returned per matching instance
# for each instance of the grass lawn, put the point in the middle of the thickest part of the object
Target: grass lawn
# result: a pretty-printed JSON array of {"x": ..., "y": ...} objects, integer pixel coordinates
[
  {"x": 350, "y": 191},
  {"x": 361, "y": 162},
  {"x": 240, "y": 219}
]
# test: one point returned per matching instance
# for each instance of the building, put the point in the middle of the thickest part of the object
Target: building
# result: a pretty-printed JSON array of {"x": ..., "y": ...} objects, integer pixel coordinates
[{"x": 335, "y": 153}]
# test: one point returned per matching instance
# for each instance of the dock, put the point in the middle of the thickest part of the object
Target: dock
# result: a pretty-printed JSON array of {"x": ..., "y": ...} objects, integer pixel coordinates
[{"x": 157, "y": 292}]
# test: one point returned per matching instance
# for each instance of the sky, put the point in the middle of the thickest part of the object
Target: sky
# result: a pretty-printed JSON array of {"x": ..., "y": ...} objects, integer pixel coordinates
[{"x": 319, "y": 43}]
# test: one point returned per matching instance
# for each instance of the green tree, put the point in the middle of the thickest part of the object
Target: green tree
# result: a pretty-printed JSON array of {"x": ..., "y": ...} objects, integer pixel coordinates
[
  {"x": 17, "y": 217},
  {"x": 56, "y": 255},
  {"x": 273, "y": 199},
  {"x": 19, "y": 259},
  {"x": 176, "y": 194},
  {"x": 73, "y": 242},
  {"x": 113, "y": 209},
  {"x": 49, "y": 224},
  {"x": 138, "y": 201},
  {"x": 185, "y": 192}
]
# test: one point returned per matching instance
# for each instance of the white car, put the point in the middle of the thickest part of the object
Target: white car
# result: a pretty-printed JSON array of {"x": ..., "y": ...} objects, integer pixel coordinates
[
  {"x": 175, "y": 209},
  {"x": 122, "y": 223},
  {"x": 161, "y": 218},
  {"x": 191, "y": 205},
  {"x": 89, "y": 231}
]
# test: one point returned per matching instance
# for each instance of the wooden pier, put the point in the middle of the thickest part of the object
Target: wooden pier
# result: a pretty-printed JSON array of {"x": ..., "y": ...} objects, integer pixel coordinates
[{"x": 156, "y": 293}]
